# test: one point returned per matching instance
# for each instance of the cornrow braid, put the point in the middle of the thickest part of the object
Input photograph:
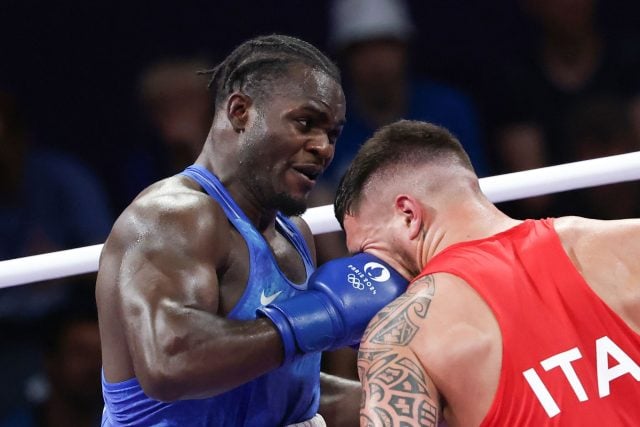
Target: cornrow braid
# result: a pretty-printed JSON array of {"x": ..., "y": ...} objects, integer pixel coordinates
[{"x": 261, "y": 59}]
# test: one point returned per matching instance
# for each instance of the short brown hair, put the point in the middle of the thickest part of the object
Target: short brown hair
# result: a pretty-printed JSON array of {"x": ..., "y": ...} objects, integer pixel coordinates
[{"x": 404, "y": 143}]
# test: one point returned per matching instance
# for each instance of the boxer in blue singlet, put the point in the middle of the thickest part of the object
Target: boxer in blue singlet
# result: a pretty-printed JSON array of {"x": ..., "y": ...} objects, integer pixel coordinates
[
  {"x": 253, "y": 403},
  {"x": 191, "y": 259}
]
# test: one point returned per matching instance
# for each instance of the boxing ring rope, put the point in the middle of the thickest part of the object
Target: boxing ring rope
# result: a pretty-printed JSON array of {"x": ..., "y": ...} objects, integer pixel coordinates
[{"x": 499, "y": 188}]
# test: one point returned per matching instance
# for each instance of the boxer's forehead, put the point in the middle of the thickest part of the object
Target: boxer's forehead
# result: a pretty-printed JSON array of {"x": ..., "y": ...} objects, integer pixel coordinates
[
  {"x": 361, "y": 231},
  {"x": 308, "y": 84}
]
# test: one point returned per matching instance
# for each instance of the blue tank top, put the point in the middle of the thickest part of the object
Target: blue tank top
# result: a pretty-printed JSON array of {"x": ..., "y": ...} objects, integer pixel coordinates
[{"x": 284, "y": 396}]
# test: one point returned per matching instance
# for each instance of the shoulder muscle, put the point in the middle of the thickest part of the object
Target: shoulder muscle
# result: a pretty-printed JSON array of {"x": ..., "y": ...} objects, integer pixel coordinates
[{"x": 390, "y": 370}]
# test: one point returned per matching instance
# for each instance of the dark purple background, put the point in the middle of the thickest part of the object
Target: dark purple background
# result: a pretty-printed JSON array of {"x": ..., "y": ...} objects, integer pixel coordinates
[{"x": 74, "y": 64}]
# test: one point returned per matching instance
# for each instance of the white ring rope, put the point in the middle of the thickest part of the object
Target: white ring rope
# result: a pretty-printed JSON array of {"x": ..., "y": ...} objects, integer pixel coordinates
[
  {"x": 499, "y": 188},
  {"x": 520, "y": 185}
]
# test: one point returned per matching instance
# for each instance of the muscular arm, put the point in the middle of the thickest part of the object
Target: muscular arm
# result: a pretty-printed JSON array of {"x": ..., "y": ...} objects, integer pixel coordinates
[
  {"x": 396, "y": 387},
  {"x": 339, "y": 400},
  {"x": 159, "y": 276},
  {"x": 606, "y": 253}
]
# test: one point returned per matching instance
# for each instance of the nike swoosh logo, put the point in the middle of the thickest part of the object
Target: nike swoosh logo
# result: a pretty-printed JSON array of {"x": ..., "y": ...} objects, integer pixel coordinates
[{"x": 266, "y": 300}]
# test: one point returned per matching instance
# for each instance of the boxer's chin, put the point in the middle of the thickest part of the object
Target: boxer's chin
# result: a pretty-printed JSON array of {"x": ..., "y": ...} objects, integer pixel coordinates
[{"x": 288, "y": 205}]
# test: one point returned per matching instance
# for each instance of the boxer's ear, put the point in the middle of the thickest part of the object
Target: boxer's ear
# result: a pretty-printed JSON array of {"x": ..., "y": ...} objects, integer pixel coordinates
[
  {"x": 411, "y": 213},
  {"x": 238, "y": 105}
]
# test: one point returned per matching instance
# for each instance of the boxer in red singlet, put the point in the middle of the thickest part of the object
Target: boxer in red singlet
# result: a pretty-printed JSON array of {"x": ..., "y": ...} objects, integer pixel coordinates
[{"x": 507, "y": 322}]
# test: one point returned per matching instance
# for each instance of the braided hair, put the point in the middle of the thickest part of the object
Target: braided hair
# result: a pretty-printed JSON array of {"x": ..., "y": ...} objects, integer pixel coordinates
[{"x": 260, "y": 60}]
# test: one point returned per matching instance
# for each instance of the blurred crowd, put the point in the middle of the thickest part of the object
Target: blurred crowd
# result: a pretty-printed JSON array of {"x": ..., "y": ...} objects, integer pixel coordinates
[{"x": 570, "y": 92}]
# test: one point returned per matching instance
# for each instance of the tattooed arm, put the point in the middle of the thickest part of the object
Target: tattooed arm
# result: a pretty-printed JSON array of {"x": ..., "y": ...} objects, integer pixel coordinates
[{"x": 396, "y": 388}]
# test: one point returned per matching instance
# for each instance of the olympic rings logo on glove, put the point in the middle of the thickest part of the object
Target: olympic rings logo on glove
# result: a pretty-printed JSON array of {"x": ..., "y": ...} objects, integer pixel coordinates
[{"x": 355, "y": 282}]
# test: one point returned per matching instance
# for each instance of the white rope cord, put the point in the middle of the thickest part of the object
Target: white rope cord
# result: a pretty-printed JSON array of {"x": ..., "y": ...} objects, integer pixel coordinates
[
  {"x": 499, "y": 188},
  {"x": 520, "y": 185},
  {"x": 53, "y": 265}
]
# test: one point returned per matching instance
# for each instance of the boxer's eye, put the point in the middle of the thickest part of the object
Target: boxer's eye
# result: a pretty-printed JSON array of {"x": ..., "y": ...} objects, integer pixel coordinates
[{"x": 304, "y": 123}]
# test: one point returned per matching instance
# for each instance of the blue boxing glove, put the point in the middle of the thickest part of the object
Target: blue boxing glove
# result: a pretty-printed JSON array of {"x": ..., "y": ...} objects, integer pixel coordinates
[{"x": 343, "y": 296}]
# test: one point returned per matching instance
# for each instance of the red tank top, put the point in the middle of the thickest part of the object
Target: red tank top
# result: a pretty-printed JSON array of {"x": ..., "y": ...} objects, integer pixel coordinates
[{"x": 567, "y": 358}]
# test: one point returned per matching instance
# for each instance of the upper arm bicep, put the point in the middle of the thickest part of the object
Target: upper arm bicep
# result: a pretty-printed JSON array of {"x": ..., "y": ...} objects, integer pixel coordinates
[
  {"x": 595, "y": 246},
  {"x": 179, "y": 263},
  {"x": 164, "y": 277},
  {"x": 396, "y": 386}
]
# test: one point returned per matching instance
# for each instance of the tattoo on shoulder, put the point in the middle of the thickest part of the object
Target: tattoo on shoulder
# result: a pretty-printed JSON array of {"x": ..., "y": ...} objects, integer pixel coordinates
[
  {"x": 397, "y": 323},
  {"x": 395, "y": 386}
]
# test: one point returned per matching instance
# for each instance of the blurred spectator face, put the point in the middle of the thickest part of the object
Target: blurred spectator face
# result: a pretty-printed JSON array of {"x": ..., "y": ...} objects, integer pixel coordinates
[
  {"x": 377, "y": 69},
  {"x": 599, "y": 128},
  {"x": 562, "y": 16},
  {"x": 616, "y": 200},
  {"x": 179, "y": 106},
  {"x": 181, "y": 114},
  {"x": 74, "y": 368}
]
